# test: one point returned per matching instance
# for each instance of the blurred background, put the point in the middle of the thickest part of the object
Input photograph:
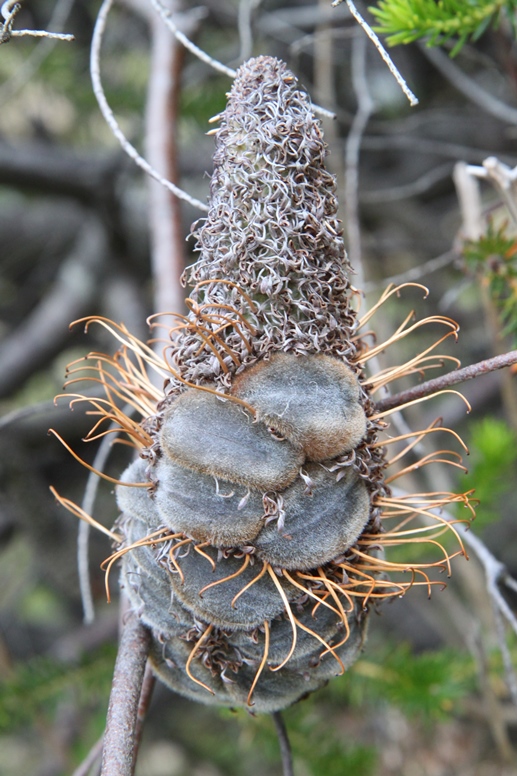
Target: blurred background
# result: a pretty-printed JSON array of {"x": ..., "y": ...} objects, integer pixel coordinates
[{"x": 81, "y": 231}]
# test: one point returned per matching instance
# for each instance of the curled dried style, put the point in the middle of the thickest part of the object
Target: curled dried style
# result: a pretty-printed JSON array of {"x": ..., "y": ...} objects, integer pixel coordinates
[{"x": 254, "y": 521}]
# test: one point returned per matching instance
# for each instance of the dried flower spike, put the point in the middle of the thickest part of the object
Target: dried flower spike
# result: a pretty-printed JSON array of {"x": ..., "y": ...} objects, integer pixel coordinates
[{"x": 257, "y": 548}]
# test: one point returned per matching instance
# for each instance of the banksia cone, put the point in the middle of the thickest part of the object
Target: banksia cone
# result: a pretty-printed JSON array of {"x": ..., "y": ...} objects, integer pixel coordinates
[{"x": 254, "y": 520}]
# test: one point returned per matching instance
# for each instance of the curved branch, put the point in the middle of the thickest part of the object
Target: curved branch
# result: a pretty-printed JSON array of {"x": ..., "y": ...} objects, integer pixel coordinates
[
  {"x": 30, "y": 66},
  {"x": 166, "y": 15},
  {"x": 9, "y": 10},
  {"x": 107, "y": 113}
]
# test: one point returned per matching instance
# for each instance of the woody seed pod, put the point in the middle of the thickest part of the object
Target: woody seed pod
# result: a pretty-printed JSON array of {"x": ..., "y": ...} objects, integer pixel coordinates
[{"x": 253, "y": 522}]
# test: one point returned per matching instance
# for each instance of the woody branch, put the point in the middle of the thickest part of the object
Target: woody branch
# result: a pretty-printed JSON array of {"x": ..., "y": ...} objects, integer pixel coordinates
[{"x": 447, "y": 380}]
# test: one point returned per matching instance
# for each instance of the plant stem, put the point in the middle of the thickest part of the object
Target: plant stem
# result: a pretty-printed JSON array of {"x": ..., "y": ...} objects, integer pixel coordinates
[
  {"x": 119, "y": 738},
  {"x": 285, "y": 747},
  {"x": 445, "y": 381}
]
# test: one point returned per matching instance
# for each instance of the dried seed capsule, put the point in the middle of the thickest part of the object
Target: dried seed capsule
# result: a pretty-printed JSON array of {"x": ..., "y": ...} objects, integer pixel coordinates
[
  {"x": 154, "y": 602},
  {"x": 269, "y": 323},
  {"x": 313, "y": 401},
  {"x": 208, "y": 510},
  {"x": 216, "y": 604},
  {"x": 136, "y": 501},
  {"x": 318, "y": 526},
  {"x": 325, "y": 622},
  {"x": 229, "y": 677},
  {"x": 169, "y": 658},
  {"x": 272, "y": 229},
  {"x": 217, "y": 437}
]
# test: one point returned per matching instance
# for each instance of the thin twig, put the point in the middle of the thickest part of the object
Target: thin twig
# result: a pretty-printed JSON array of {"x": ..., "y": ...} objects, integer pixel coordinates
[
  {"x": 130, "y": 150},
  {"x": 445, "y": 381},
  {"x": 199, "y": 53},
  {"x": 496, "y": 576},
  {"x": 40, "y": 34},
  {"x": 414, "y": 273},
  {"x": 30, "y": 66},
  {"x": 204, "y": 57},
  {"x": 9, "y": 11},
  {"x": 120, "y": 735},
  {"x": 496, "y": 572},
  {"x": 91, "y": 758},
  {"x": 413, "y": 100},
  {"x": 285, "y": 746}
]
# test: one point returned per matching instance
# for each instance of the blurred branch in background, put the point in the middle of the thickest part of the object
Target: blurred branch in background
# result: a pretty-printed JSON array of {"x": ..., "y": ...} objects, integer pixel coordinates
[
  {"x": 129, "y": 149},
  {"x": 37, "y": 339},
  {"x": 161, "y": 139}
]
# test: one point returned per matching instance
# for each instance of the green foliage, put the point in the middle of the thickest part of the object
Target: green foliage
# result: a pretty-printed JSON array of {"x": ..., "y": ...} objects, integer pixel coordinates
[
  {"x": 326, "y": 755},
  {"x": 426, "y": 685},
  {"x": 494, "y": 260},
  {"x": 200, "y": 102},
  {"x": 35, "y": 687},
  {"x": 315, "y": 738},
  {"x": 405, "y": 21},
  {"x": 493, "y": 448}
]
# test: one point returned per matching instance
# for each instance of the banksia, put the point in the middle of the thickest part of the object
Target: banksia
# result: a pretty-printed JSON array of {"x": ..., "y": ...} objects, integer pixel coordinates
[{"x": 255, "y": 519}]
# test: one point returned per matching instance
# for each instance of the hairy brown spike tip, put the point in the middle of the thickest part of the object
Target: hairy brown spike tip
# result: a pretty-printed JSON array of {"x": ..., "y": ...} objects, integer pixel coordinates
[{"x": 272, "y": 230}]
